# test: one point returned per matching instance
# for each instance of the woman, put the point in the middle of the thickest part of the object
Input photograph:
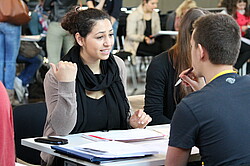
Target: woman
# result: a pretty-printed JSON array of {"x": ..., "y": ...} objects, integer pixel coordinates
[
  {"x": 141, "y": 24},
  {"x": 174, "y": 19},
  {"x": 85, "y": 91},
  {"x": 161, "y": 95},
  {"x": 239, "y": 10},
  {"x": 7, "y": 143},
  {"x": 242, "y": 15},
  {"x": 10, "y": 42},
  {"x": 58, "y": 41}
]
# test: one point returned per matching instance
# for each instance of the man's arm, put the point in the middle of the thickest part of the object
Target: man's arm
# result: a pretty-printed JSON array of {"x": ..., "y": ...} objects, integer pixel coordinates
[{"x": 177, "y": 156}]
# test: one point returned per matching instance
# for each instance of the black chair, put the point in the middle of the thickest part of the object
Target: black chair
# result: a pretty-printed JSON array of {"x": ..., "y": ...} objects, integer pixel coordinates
[
  {"x": 124, "y": 55},
  {"x": 29, "y": 122}
]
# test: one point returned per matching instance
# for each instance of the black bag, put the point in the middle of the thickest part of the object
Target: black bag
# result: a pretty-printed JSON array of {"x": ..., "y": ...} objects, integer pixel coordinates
[{"x": 29, "y": 49}]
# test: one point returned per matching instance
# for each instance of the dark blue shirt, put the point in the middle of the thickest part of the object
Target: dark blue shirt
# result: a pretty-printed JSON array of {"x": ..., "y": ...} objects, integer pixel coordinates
[{"x": 216, "y": 119}]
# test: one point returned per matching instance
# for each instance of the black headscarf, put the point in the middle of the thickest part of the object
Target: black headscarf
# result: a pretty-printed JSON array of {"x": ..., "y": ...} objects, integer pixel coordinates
[{"x": 110, "y": 81}]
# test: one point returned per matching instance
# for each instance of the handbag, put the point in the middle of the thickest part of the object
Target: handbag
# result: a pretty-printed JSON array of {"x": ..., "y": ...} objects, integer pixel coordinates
[
  {"x": 14, "y": 12},
  {"x": 29, "y": 49}
]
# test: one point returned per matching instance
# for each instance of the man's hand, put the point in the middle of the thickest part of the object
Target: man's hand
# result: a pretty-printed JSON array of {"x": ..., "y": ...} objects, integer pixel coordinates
[{"x": 190, "y": 79}]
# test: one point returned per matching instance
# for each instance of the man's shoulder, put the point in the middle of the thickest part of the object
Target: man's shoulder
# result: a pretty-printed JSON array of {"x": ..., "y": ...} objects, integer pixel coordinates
[{"x": 219, "y": 88}]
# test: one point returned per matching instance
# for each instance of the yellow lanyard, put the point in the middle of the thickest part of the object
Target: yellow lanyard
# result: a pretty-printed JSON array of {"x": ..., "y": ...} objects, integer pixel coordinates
[{"x": 222, "y": 73}]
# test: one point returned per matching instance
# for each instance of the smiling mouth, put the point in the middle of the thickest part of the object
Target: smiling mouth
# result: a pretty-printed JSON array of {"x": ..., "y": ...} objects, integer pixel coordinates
[{"x": 105, "y": 51}]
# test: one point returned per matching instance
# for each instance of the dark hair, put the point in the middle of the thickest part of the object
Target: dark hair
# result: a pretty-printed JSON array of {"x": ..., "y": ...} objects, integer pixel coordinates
[
  {"x": 82, "y": 21},
  {"x": 145, "y": 0},
  {"x": 246, "y": 9},
  {"x": 231, "y": 6},
  {"x": 220, "y": 35},
  {"x": 181, "y": 51}
]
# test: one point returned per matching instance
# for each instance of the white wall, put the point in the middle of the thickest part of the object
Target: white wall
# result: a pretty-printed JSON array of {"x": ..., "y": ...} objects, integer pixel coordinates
[{"x": 166, "y": 5}]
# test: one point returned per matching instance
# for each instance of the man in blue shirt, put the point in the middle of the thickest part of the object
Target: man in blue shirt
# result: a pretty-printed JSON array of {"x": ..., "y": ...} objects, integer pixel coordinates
[{"x": 216, "y": 117}]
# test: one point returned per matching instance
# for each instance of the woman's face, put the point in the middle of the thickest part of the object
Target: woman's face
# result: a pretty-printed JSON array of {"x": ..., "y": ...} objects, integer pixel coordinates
[
  {"x": 241, "y": 5},
  {"x": 151, "y": 5},
  {"x": 99, "y": 42}
]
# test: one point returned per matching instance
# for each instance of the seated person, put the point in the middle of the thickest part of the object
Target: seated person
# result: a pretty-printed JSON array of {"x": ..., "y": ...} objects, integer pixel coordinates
[
  {"x": 238, "y": 9},
  {"x": 174, "y": 19},
  {"x": 215, "y": 117},
  {"x": 161, "y": 95},
  {"x": 141, "y": 24},
  {"x": 39, "y": 20},
  {"x": 33, "y": 60},
  {"x": 85, "y": 91},
  {"x": 242, "y": 17},
  {"x": 7, "y": 143}
]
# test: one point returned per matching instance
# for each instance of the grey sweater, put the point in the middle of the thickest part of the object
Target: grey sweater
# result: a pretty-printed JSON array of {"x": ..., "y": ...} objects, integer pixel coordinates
[{"x": 61, "y": 104}]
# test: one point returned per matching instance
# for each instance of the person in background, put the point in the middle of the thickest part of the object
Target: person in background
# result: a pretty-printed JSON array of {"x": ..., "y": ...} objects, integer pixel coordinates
[
  {"x": 85, "y": 92},
  {"x": 58, "y": 39},
  {"x": 7, "y": 143},
  {"x": 112, "y": 7},
  {"x": 174, "y": 19},
  {"x": 216, "y": 116},
  {"x": 241, "y": 15},
  {"x": 39, "y": 20},
  {"x": 22, "y": 81},
  {"x": 141, "y": 25},
  {"x": 161, "y": 95},
  {"x": 10, "y": 42}
]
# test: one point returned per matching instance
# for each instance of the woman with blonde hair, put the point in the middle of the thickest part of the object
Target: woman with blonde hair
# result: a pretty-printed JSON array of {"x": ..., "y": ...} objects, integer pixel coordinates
[
  {"x": 174, "y": 19},
  {"x": 181, "y": 10}
]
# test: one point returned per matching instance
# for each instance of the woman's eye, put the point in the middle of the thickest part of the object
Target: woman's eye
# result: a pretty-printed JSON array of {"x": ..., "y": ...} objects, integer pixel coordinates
[
  {"x": 99, "y": 37},
  {"x": 111, "y": 34}
]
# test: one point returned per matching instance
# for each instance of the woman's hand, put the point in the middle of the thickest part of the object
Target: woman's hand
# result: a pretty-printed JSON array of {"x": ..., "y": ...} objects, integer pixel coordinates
[
  {"x": 139, "y": 119},
  {"x": 64, "y": 71},
  {"x": 244, "y": 28},
  {"x": 149, "y": 40},
  {"x": 190, "y": 79}
]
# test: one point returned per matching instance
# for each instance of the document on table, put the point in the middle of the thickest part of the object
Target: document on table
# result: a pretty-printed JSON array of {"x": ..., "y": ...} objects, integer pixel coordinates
[
  {"x": 103, "y": 151},
  {"x": 130, "y": 135}
]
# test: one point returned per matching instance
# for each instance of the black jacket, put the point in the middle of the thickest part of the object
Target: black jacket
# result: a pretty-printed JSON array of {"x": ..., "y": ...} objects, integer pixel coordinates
[{"x": 58, "y": 8}]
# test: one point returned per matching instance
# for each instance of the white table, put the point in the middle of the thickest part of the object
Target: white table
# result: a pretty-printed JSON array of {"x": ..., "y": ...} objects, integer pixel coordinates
[{"x": 76, "y": 139}]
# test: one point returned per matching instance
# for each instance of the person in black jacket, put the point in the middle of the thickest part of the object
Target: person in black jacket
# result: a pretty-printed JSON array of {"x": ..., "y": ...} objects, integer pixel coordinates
[
  {"x": 57, "y": 38},
  {"x": 112, "y": 7},
  {"x": 161, "y": 95}
]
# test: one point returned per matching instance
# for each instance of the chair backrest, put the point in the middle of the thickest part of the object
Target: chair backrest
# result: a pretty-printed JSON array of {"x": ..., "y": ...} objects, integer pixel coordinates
[{"x": 29, "y": 121}]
